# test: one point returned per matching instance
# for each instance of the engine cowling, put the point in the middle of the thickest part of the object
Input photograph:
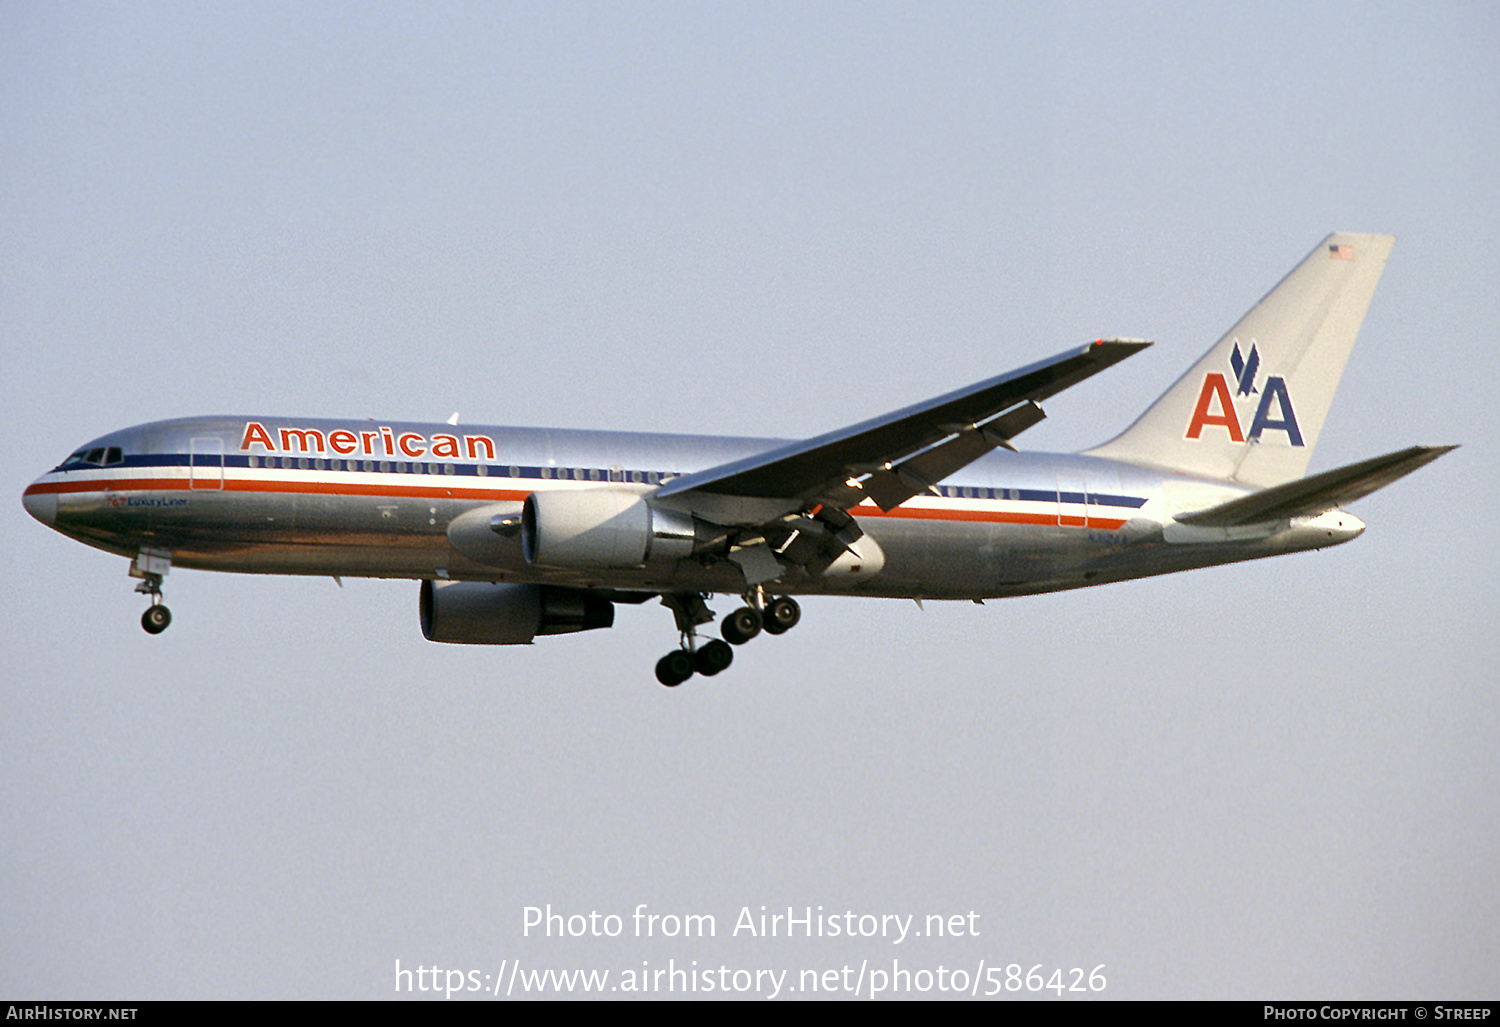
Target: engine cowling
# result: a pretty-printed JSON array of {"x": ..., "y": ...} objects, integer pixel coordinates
[
  {"x": 499, "y": 613},
  {"x": 602, "y": 529}
]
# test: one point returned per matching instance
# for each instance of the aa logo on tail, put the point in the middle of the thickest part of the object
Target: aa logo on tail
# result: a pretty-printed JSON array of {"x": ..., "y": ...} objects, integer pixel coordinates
[{"x": 1215, "y": 407}]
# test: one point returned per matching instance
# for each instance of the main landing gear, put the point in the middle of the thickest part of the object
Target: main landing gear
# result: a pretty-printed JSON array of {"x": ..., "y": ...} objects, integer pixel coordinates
[{"x": 774, "y": 616}]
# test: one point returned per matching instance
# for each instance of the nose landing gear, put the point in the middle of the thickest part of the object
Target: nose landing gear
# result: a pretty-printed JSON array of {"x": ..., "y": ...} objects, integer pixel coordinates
[
  {"x": 151, "y": 566},
  {"x": 156, "y": 618}
]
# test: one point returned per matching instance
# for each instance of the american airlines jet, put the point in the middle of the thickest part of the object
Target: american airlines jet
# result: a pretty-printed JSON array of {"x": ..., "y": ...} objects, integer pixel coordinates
[{"x": 520, "y": 532}]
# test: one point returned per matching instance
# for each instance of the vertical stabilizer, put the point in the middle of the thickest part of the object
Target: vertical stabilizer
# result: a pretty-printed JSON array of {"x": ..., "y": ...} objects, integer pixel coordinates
[{"x": 1251, "y": 409}]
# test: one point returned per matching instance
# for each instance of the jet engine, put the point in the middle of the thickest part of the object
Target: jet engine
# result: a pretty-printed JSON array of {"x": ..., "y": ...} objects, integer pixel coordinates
[
  {"x": 604, "y": 529},
  {"x": 488, "y": 613}
]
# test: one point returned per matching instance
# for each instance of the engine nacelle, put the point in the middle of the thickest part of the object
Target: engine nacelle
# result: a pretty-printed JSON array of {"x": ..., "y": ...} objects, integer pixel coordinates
[
  {"x": 489, "y": 613},
  {"x": 602, "y": 529}
]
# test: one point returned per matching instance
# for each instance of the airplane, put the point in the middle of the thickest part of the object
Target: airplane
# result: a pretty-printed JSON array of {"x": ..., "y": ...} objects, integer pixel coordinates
[{"x": 516, "y": 533}]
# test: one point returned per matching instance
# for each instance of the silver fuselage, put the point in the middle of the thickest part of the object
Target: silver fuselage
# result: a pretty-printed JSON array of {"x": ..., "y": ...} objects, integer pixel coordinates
[{"x": 270, "y": 495}]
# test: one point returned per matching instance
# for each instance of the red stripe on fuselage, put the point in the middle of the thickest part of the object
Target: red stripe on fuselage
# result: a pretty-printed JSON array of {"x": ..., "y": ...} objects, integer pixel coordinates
[{"x": 991, "y": 516}]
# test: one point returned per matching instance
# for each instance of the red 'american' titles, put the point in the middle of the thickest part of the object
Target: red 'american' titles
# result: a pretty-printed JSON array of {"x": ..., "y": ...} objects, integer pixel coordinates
[{"x": 379, "y": 441}]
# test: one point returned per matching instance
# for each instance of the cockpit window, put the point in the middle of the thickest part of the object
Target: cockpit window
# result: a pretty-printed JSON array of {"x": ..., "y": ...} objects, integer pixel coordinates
[{"x": 95, "y": 457}]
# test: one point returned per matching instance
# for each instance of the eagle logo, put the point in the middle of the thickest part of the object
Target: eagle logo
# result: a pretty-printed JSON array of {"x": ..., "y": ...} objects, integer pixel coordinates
[{"x": 1244, "y": 369}]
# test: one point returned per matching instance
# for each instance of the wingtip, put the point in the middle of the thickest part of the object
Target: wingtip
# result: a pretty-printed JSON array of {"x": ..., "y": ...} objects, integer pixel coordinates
[{"x": 1116, "y": 349}]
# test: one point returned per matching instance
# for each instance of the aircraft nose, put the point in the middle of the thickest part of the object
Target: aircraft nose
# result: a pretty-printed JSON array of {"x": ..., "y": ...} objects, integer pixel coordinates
[{"x": 41, "y": 505}]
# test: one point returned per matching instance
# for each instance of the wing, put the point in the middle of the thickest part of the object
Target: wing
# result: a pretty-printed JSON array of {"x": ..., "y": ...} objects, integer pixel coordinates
[
  {"x": 890, "y": 459},
  {"x": 788, "y": 507}
]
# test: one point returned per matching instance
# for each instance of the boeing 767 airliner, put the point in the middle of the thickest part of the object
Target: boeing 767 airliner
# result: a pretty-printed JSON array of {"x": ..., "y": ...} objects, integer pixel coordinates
[{"x": 520, "y": 532}]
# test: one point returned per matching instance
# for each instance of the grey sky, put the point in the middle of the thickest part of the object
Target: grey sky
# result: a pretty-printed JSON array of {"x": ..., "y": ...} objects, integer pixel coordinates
[{"x": 1277, "y": 779}]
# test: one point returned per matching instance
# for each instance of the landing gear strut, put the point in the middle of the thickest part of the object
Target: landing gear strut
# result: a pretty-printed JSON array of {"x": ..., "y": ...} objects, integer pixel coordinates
[
  {"x": 150, "y": 566},
  {"x": 157, "y": 616},
  {"x": 708, "y": 658}
]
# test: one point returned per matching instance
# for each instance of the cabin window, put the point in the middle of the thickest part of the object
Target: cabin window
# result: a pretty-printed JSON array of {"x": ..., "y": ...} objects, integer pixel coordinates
[{"x": 483, "y": 470}]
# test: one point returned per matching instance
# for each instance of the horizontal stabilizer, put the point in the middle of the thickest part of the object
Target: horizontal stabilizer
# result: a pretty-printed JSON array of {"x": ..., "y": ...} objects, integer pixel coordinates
[{"x": 1317, "y": 494}]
